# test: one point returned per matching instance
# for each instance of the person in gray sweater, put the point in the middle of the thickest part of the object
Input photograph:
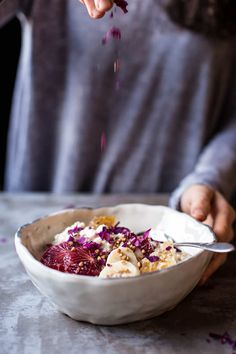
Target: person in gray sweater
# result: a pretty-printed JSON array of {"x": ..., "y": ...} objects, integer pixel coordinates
[{"x": 166, "y": 118}]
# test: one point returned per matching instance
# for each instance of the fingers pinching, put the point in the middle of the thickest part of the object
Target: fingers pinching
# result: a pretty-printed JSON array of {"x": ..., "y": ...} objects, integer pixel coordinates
[
  {"x": 92, "y": 10},
  {"x": 97, "y": 8},
  {"x": 103, "y": 5}
]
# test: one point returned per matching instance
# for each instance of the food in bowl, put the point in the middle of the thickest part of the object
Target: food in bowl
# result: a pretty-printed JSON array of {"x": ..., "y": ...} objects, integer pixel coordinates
[
  {"x": 120, "y": 300},
  {"x": 105, "y": 249}
]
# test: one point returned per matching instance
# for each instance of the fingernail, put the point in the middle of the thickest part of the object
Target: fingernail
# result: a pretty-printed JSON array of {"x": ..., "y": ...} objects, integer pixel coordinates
[
  {"x": 103, "y": 5},
  {"x": 97, "y": 4},
  {"x": 198, "y": 214},
  {"x": 94, "y": 13},
  {"x": 100, "y": 4}
]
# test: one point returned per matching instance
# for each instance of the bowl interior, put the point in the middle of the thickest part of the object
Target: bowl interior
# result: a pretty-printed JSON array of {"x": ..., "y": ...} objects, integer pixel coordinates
[{"x": 138, "y": 217}]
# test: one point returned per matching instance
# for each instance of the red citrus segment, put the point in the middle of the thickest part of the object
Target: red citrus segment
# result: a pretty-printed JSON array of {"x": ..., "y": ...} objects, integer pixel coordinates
[{"x": 66, "y": 257}]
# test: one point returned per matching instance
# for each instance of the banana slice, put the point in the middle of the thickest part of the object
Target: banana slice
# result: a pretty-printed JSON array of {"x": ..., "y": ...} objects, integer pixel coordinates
[
  {"x": 122, "y": 253},
  {"x": 147, "y": 266},
  {"x": 121, "y": 269}
]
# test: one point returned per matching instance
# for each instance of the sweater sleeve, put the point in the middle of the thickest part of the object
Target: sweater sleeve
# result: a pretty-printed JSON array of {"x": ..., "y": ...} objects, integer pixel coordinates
[
  {"x": 11, "y": 8},
  {"x": 216, "y": 165},
  {"x": 8, "y": 10}
]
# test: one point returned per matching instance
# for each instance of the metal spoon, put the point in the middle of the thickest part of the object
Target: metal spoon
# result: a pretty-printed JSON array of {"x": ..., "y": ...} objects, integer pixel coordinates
[{"x": 218, "y": 247}]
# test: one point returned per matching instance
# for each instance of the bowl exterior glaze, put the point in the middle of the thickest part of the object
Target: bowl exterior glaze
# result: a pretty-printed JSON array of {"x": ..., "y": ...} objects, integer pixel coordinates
[{"x": 115, "y": 301}]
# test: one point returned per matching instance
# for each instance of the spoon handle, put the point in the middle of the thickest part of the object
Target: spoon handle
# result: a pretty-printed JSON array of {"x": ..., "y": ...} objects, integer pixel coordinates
[{"x": 218, "y": 247}]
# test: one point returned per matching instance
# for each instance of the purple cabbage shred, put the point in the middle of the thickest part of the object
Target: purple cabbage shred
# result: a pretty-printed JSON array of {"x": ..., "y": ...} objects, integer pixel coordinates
[
  {"x": 75, "y": 230},
  {"x": 153, "y": 258},
  {"x": 122, "y": 4},
  {"x": 105, "y": 234}
]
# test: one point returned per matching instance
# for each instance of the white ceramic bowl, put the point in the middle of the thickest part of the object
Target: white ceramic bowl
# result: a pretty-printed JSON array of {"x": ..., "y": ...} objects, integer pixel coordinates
[{"x": 115, "y": 301}]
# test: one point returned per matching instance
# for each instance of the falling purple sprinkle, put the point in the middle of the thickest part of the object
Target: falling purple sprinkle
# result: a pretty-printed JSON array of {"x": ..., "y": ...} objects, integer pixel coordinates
[
  {"x": 103, "y": 142},
  {"x": 3, "y": 240},
  {"x": 118, "y": 84},
  {"x": 113, "y": 33}
]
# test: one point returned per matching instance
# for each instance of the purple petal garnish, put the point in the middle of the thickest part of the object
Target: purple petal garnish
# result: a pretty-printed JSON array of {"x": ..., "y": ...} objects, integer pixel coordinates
[
  {"x": 153, "y": 258},
  {"x": 75, "y": 230}
]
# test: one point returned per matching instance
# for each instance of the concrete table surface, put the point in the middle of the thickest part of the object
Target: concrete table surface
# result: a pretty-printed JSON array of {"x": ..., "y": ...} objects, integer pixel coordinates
[{"x": 29, "y": 324}]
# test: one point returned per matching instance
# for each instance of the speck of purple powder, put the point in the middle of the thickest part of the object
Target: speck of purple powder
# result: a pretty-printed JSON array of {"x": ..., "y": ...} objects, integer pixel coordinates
[
  {"x": 112, "y": 33},
  {"x": 103, "y": 142},
  {"x": 224, "y": 338},
  {"x": 118, "y": 85}
]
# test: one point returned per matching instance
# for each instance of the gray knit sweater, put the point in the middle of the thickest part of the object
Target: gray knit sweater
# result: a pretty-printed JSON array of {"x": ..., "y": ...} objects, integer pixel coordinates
[{"x": 169, "y": 124}]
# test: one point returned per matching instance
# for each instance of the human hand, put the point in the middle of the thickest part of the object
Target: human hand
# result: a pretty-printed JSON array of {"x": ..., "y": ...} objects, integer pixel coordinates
[
  {"x": 97, "y": 8},
  {"x": 209, "y": 206}
]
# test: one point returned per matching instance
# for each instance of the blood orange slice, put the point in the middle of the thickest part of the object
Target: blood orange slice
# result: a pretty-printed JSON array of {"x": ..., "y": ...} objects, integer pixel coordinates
[{"x": 69, "y": 258}]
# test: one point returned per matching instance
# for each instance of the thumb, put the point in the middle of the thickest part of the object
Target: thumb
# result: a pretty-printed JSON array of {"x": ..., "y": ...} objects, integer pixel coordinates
[{"x": 196, "y": 201}]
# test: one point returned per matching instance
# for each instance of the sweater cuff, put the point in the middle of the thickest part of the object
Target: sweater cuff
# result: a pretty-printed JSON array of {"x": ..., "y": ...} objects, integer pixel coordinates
[{"x": 194, "y": 178}]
